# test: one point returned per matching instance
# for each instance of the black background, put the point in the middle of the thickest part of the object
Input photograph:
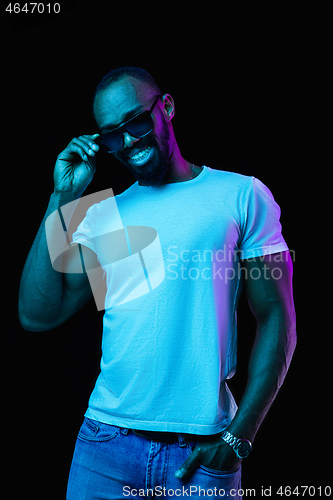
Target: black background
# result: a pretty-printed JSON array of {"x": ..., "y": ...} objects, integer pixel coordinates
[{"x": 243, "y": 87}]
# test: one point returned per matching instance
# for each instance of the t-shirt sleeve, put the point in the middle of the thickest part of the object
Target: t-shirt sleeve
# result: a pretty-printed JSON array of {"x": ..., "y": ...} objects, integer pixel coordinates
[
  {"x": 261, "y": 230},
  {"x": 84, "y": 233}
]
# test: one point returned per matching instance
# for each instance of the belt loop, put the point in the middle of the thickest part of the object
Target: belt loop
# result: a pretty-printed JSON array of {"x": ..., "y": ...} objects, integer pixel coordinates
[{"x": 181, "y": 440}]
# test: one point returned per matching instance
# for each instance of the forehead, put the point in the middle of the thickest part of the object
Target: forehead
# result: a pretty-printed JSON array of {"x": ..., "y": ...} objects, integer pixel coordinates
[{"x": 119, "y": 99}]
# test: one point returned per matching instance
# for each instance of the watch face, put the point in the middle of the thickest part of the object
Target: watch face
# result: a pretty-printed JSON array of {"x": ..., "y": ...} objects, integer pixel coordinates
[{"x": 244, "y": 448}]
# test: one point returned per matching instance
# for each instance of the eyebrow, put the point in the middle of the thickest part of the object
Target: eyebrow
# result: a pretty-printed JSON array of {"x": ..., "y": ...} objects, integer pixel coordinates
[{"x": 108, "y": 126}]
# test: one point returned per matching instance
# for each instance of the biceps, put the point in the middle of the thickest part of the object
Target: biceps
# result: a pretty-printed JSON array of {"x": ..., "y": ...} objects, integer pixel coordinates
[
  {"x": 268, "y": 284},
  {"x": 78, "y": 288},
  {"x": 78, "y": 259}
]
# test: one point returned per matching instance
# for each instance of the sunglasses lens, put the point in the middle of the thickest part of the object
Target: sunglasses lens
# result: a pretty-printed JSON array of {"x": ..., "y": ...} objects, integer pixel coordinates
[
  {"x": 111, "y": 141},
  {"x": 141, "y": 125}
]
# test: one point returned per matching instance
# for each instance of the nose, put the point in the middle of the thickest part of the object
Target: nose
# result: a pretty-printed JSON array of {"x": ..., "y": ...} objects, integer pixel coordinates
[{"x": 129, "y": 140}]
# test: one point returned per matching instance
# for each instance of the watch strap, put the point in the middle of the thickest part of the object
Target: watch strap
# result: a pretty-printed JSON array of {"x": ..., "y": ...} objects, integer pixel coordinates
[
  {"x": 229, "y": 438},
  {"x": 234, "y": 442}
]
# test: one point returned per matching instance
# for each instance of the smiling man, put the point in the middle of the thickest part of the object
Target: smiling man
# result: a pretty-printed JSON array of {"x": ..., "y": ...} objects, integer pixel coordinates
[
  {"x": 145, "y": 143},
  {"x": 161, "y": 415}
]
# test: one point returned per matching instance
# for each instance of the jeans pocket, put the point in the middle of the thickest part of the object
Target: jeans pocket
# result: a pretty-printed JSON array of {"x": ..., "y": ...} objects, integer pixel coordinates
[
  {"x": 222, "y": 473},
  {"x": 92, "y": 430}
]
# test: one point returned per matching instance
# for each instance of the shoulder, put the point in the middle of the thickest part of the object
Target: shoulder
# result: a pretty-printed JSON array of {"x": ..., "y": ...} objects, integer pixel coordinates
[
  {"x": 103, "y": 216},
  {"x": 230, "y": 178},
  {"x": 247, "y": 189},
  {"x": 232, "y": 187},
  {"x": 102, "y": 201}
]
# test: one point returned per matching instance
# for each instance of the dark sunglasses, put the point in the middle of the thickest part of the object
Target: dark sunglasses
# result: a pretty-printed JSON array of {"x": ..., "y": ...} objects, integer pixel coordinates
[{"x": 138, "y": 126}]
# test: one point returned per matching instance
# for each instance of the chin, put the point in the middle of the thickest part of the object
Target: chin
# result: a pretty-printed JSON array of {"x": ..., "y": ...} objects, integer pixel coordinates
[
  {"x": 152, "y": 177},
  {"x": 151, "y": 174}
]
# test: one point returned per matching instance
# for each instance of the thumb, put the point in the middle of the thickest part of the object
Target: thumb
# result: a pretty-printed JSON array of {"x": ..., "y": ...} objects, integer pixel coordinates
[{"x": 189, "y": 465}]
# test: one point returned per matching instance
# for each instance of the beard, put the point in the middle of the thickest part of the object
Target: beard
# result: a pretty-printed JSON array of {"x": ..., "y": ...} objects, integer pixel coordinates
[{"x": 155, "y": 170}]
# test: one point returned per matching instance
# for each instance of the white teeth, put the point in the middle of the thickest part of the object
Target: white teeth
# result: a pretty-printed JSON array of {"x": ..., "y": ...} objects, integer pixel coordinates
[{"x": 141, "y": 154}]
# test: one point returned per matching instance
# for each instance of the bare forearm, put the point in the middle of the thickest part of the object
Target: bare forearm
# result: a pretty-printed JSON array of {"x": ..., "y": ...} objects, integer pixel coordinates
[
  {"x": 41, "y": 287},
  {"x": 270, "y": 359}
]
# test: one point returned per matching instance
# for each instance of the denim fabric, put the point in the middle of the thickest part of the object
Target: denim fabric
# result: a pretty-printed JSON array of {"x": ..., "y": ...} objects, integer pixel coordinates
[{"x": 110, "y": 462}]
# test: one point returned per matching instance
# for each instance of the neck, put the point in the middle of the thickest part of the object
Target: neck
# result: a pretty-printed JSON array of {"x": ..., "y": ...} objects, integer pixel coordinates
[{"x": 180, "y": 170}]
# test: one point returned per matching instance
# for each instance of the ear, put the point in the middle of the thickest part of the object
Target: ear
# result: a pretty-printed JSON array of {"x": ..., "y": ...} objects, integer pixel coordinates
[{"x": 169, "y": 106}]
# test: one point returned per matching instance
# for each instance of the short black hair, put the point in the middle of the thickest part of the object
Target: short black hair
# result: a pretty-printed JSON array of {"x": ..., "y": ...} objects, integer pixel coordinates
[{"x": 118, "y": 73}]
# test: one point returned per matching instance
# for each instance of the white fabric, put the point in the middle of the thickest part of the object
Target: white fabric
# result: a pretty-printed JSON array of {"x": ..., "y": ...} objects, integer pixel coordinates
[{"x": 166, "y": 354}]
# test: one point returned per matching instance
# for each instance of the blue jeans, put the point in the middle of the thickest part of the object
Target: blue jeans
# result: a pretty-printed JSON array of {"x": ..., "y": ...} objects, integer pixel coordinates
[{"x": 110, "y": 462}]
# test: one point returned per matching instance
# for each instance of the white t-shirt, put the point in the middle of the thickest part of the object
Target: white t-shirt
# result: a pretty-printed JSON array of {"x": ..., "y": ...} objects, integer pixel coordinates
[{"x": 166, "y": 354}]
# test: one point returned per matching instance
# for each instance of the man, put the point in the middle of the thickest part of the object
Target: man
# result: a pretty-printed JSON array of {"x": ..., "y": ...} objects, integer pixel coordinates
[{"x": 161, "y": 418}]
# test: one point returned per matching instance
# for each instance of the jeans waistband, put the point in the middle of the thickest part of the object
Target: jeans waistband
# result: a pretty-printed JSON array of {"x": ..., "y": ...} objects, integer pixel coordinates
[{"x": 174, "y": 437}]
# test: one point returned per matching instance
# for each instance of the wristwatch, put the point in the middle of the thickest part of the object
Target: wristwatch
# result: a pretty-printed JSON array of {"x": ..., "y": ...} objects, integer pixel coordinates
[{"x": 241, "y": 447}]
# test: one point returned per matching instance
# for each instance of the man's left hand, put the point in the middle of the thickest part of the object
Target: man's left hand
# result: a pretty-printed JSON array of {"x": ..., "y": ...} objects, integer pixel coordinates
[{"x": 216, "y": 455}]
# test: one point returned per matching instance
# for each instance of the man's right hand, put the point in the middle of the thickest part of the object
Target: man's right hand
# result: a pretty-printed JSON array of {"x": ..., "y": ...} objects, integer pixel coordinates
[{"x": 75, "y": 166}]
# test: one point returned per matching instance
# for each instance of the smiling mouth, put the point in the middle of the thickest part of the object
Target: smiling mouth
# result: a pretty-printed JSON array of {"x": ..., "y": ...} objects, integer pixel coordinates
[{"x": 141, "y": 157}]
